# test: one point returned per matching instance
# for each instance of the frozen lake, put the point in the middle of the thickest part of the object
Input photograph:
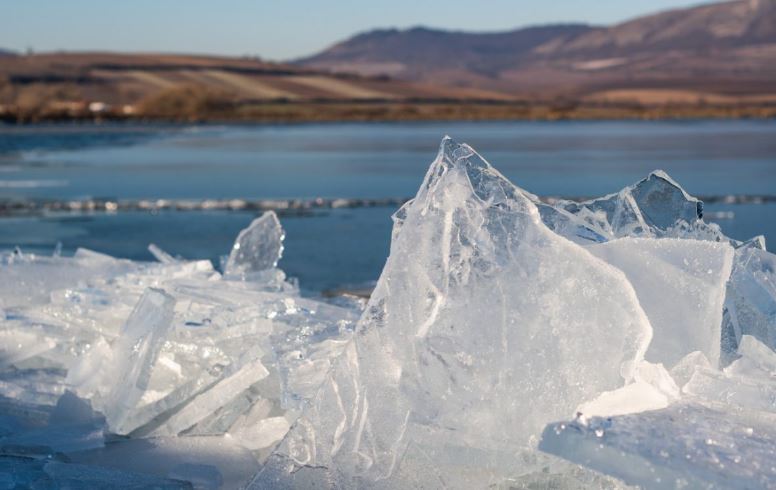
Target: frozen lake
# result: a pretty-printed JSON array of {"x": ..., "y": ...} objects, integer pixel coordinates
[{"x": 330, "y": 248}]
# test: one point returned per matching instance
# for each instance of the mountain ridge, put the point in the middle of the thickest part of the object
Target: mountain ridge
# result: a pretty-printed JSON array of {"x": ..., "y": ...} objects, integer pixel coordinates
[{"x": 725, "y": 48}]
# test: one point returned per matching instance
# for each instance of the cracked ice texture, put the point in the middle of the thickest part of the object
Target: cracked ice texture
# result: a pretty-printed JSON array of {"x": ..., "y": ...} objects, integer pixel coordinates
[
  {"x": 257, "y": 248},
  {"x": 484, "y": 326}
]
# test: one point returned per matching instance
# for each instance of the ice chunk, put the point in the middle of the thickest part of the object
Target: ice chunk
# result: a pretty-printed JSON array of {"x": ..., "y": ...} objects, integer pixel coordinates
[
  {"x": 483, "y": 326},
  {"x": 682, "y": 446},
  {"x": 681, "y": 286},
  {"x": 17, "y": 344},
  {"x": 756, "y": 359},
  {"x": 649, "y": 208},
  {"x": 215, "y": 397},
  {"x": 258, "y": 247},
  {"x": 157, "y": 346},
  {"x": 749, "y": 382},
  {"x": 757, "y": 242},
  {"x": 161, "y": 255},
  {"x": 264, "y": 433},
  {"x": 134, "y": 353},
  {"x": 652, "y": 389},
  {"x": 750, "y": 304},
  {"x": 684, "y": 369}
]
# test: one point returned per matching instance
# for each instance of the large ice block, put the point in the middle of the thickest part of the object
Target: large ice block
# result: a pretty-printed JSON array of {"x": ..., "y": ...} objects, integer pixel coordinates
[
  {"x": 681, "y": 286},
  {"x": 484, "y": 325}
]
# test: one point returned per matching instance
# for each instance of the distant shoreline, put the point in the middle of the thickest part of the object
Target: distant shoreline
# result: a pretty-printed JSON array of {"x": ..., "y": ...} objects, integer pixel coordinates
[{"x": 357, "y": 111}]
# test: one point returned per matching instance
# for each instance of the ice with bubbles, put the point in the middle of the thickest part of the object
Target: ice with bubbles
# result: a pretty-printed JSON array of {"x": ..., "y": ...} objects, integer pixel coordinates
[{"x": 509, "y": 343}]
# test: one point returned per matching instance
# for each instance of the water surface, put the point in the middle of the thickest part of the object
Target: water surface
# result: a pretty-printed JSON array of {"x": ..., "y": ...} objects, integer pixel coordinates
[{"x": 348, "y": 246}]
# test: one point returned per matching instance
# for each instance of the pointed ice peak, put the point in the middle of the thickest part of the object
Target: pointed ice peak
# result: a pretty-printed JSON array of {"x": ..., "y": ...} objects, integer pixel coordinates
[
  {"x": 258, "y": 247},
  {"x": 757, "y": 242},
  {"x": 485, "y": 182},
  {"x": 656, "y": 206},
  {"x": 662, "y": 201}
]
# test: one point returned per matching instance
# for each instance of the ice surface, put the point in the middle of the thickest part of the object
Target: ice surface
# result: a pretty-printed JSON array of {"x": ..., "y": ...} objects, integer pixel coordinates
[
  {"x": 258, "y": 247},
  {"x": 720, "y": 435},
  {"x": 483, "y": 326},
  {"x": 25, "y": 472},
  {"x": 683, "y": 446}
]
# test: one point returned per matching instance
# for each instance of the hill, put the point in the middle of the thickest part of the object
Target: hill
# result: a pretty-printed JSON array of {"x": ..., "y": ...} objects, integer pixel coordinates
[
  {"x": 725, "y": 50},
  {"x": 67, "y": 85},
  {"x": 716, "y": 60}
]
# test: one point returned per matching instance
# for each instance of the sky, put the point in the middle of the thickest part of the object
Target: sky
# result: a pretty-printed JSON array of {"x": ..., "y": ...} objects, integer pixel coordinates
[{"x": 276, "y": 29}]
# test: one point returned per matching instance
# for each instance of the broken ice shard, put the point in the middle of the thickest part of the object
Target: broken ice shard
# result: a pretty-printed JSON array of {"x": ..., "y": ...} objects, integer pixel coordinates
[
  {"x": 484, "y": 326},
  {"x": 134, "y": 354},
  {"x": 258, "y": 247},
  {"x": 161, "y": 255},
  {"x": 215, "y": 397}
]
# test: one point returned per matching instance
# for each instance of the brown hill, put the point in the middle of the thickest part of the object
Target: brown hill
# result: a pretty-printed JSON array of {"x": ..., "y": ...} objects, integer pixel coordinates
[
  {"x": 718, "y": 50},
  {"x": 421, "y": 53},
  {"x": 127, "y": 78}
]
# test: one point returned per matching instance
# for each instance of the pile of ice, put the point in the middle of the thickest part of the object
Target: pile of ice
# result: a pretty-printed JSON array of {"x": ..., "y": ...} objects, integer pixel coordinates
[
  {"x": 165, "y": 370},
  {"x": 496, "y": 318}
]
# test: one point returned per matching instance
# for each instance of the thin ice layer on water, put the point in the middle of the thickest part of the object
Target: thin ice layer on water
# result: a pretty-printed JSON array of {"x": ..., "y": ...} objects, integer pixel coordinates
[
  {"x": 257, "y": 248},
  {"x": 483, "y": 326}
]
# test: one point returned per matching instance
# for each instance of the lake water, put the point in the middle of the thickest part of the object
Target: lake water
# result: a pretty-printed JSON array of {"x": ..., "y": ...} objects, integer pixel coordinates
[{"x": 330, "y": 248}]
